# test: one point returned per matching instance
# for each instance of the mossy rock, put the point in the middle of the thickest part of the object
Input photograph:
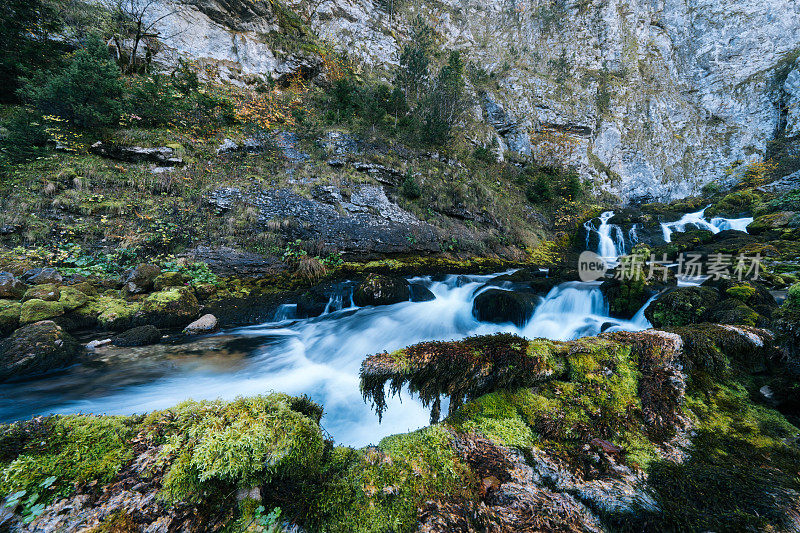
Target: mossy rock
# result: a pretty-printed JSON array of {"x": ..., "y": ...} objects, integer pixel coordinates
[
  {"x": 11, "y": 288},
  {"x": 115, "y": 314},
  {"x": 171, "y": 308},
  {"x": 48, "y": 292},
  {"x": 625, "y": 296},
  {"x": 168, "y": 279},
  {"x": 72, "y": 298},
  {"x": 681, "y": 306},
  {"x": 734, "y": 311},
  {"x": 138, "y": 336},
  {"x": 501, "y": 306},
  {"x": 35, "y": 349},
  {"x": 378, "y": 289},
  {"x": 9, "y": 316},
  {"x": 770, "y": 222},
  {"x": 36, "y": 310},
  {"x": 86, "y": 288}
]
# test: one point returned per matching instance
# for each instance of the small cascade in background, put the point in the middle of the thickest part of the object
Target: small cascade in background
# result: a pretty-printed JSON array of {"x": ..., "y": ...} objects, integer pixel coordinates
[
  {"x": 611, "y": 239},
  {"x": 698, "y": 220},
  {"x": 285, "y": 312}
]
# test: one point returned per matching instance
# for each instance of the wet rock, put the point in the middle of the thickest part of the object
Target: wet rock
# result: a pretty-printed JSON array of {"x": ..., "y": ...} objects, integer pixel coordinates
[
  {"x": 9, "y": 316},
  {"x": 500, "y": 306},
  {"x": 138, "y": 336},
  {"x": 311, "y": 303},
  {"x": 35, "y": 349},
  {"x": 171, "y": 308},
  {"x": 47, "y": 291},
  {"x": 35, "y": 310},
  {"x": 140, "y": 279},
  {"x": 773, "y": 221},
  {"x": 11, "y": 288},
  {"x": 205, "y": 324},
  {"x": 420, "y": 293},
  {"x": 38, "y": 276},
  {"x": 681, "y": 306},
  {"x": 163, "y": 156},
  {"x": 378, "y": 289},
  {"x": 97, "y": 343},
  {"x": 625, "y": 296}
]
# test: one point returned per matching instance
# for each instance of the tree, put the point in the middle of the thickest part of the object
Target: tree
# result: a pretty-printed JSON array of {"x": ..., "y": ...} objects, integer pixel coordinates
[
  {"x": 415, "y": 58},
  {"x": 132, "y": 22},
  {"x": 87, "y": 92},
  {"x": 446, "y": 102}
]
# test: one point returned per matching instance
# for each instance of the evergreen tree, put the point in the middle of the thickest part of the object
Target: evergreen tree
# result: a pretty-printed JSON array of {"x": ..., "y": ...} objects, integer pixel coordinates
[
  {"x": 446, "y": 102},
  {"x": 415, "y": 59}
]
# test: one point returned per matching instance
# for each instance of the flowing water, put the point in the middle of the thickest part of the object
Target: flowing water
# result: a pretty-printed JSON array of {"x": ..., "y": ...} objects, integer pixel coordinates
[
  {"x": 319, "y": 357},
  {"x": 697, "y": 220},
  {"x": 611, "y": 240}
]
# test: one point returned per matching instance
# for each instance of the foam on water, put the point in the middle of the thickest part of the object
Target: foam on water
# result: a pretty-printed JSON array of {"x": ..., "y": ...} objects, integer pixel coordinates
[{"x": 698, "y": 220}]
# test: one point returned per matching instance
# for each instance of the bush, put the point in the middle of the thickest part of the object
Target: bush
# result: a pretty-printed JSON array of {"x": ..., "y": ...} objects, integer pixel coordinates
[
  {"x": 25, "y": 139},
  {"x": 152, "y": 99},
  {"x": 410, "y": 188},
  {"x": 87, "y": 92},
  {"x": 540, "y": 189}
]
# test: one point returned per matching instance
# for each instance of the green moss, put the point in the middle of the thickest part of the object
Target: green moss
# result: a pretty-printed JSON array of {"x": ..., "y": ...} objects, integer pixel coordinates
[
  {"x": 36, "y": 310},
  {"x": 114, "y": 313},
  {"x": 46, "y": 291},
  {"x": 681, "y": 306},
  {"x": 793, "y": 296},
  {"x": 72, "y": 298},
  {"x": 9, "y": 316},
  {"x": 741, "y": 292},
  {"x": 171, "y": 307},
  {"x": 73, "y": 449}
]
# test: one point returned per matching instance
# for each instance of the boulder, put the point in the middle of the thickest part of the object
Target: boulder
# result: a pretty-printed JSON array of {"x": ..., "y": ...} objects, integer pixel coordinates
[
  {"x": 168, "y": 279},
  {"x": 71, "y": 298},
  {"x": 115, "y": 314},
  {"x": 139, "y": 336},
  {"x": 500, "y": 306},
  {"x": 48, "y": 292},
  {"x": 9, "y": 316},
  {"x": 378, "y": 289},
  {"x": 682, "y": 306},
  {"x": 36, "y": 310},
  {"x": 773, "y": 221},
  {"x": 311, "y": 303},
  {"x": 35, "y": 349},
  {"x": 625, "y": 296},
  {"x": 420, "y": 293},
  {"x": 205, "y": 324},
  {"x": 97, "y": 343},
  {"x": 141, "y": 278},
  {"x": 163, "y": 155},
  {"x": 734, "y": 311},
  {"x": 38, "y": 276},
  {"x": 11, "y": 288},
  {"x": 171, "y": 308}
]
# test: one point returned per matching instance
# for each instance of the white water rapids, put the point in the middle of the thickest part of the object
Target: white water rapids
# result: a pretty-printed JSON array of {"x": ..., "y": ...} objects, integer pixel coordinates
[
  {"x": 320, "y": 357},
  {"x": 698, "y": 221}
]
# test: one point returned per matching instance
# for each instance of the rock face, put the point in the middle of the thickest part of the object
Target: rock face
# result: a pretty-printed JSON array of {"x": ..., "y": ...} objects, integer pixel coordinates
[
  {"x": 364, "y": 224},
  {"x": 501, "y": 306},
  {"x": 652, "y": 99},
  {"x": 163, "y": 156},
  {"x": 36, "y": 348}
]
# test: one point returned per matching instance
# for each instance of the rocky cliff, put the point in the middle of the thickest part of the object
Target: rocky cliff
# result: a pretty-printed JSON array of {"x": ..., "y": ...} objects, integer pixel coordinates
[{"x": 650, "y": 98}]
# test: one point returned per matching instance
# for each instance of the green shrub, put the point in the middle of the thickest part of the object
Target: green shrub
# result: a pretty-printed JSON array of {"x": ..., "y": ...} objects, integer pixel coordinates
[
  {"x": 152, "y": 99},
  {"x": 411, "y": 188},
  {"x": 793, "y": 297},
  {"x": 25, "y": 139},
  {"x": 540, "y": 189},
  {"x": 87, "y": 92}
]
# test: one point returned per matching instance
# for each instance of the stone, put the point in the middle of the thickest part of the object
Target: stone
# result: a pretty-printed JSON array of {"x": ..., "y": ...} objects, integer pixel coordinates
[
  {"x": 170, "y": 308},
  {"x": 420, "y": 293},
  {"x": 226, "y": 262},
  {"x": 9, "y": 316},
  {"x": 38, "y": 276},
  {"x": 72, "y": 298},
  {"x": 681, "y": 306},
  {"x": 11, "y": 288},
  {"x": 46, "y": 291},
  {"x": 205, "y": 324},
  {"x": 227, "y": 147},
  {"x": 97, "y": 343},
  {"x": 500, "y": 306},
  {"x": 163, "y": 156},
  {"x": 138, "y": 336},
  {"x": 116, "y": 314},
  {"x": 168, "y": 279},
  {"x": 36, "y": 348},
  {"x": 141, "y": 278},
  {"x": 36, "y": 310},
  {"x": 311, "y": 303},
  {"x": 378, "y": 289}
]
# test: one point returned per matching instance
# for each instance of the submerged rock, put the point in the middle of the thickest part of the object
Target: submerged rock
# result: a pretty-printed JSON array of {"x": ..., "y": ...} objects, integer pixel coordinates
[
  {"x": 378, "y": 289},
  {"x": 501, "y": 306},
  {"x": 138, "y": 336},
  {"x": 35, "y": 349}
]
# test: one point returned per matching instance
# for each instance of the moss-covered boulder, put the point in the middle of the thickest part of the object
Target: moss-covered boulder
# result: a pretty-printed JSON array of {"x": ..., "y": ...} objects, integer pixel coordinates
[
  {"x": 138, "y": 336},
  {"x": 141, "y": 278},
  {"x": 11, "y": 288},
  {"x": 35, "y": 349},
  {"x": 625, "y": 295},
  {"x": 9, "y": 316},
  {"x": 168, "y": 279},
  {"x": 734, "y": 311},
  {"x": 171, "y": 308},
  {"x": 501, "y": 306},
  {"x": 48, "y": 292},
  {"x": 116, "y": 314},
  {"x": 786, "y": 324},
  {"x": 681, "y": 306},
  {"x": 38, "y": 276},
  {"x": 766, "y": 224},
  {"x": 36, "y": 310},
  {"x": 378, "y": 289},
  {"x": 72, "y": 298}
]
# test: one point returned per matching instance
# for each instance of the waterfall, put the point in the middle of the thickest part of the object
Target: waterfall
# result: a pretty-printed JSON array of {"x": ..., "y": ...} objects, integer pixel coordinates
[
  {"x": 318, "y": 356},
  {"x": 611, "y": 240},
  {"x": 698, "y": 220}
]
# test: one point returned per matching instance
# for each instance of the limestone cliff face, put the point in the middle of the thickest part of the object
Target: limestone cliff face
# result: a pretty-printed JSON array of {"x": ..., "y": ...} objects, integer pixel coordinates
[{"x": 652, "y": 98}]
